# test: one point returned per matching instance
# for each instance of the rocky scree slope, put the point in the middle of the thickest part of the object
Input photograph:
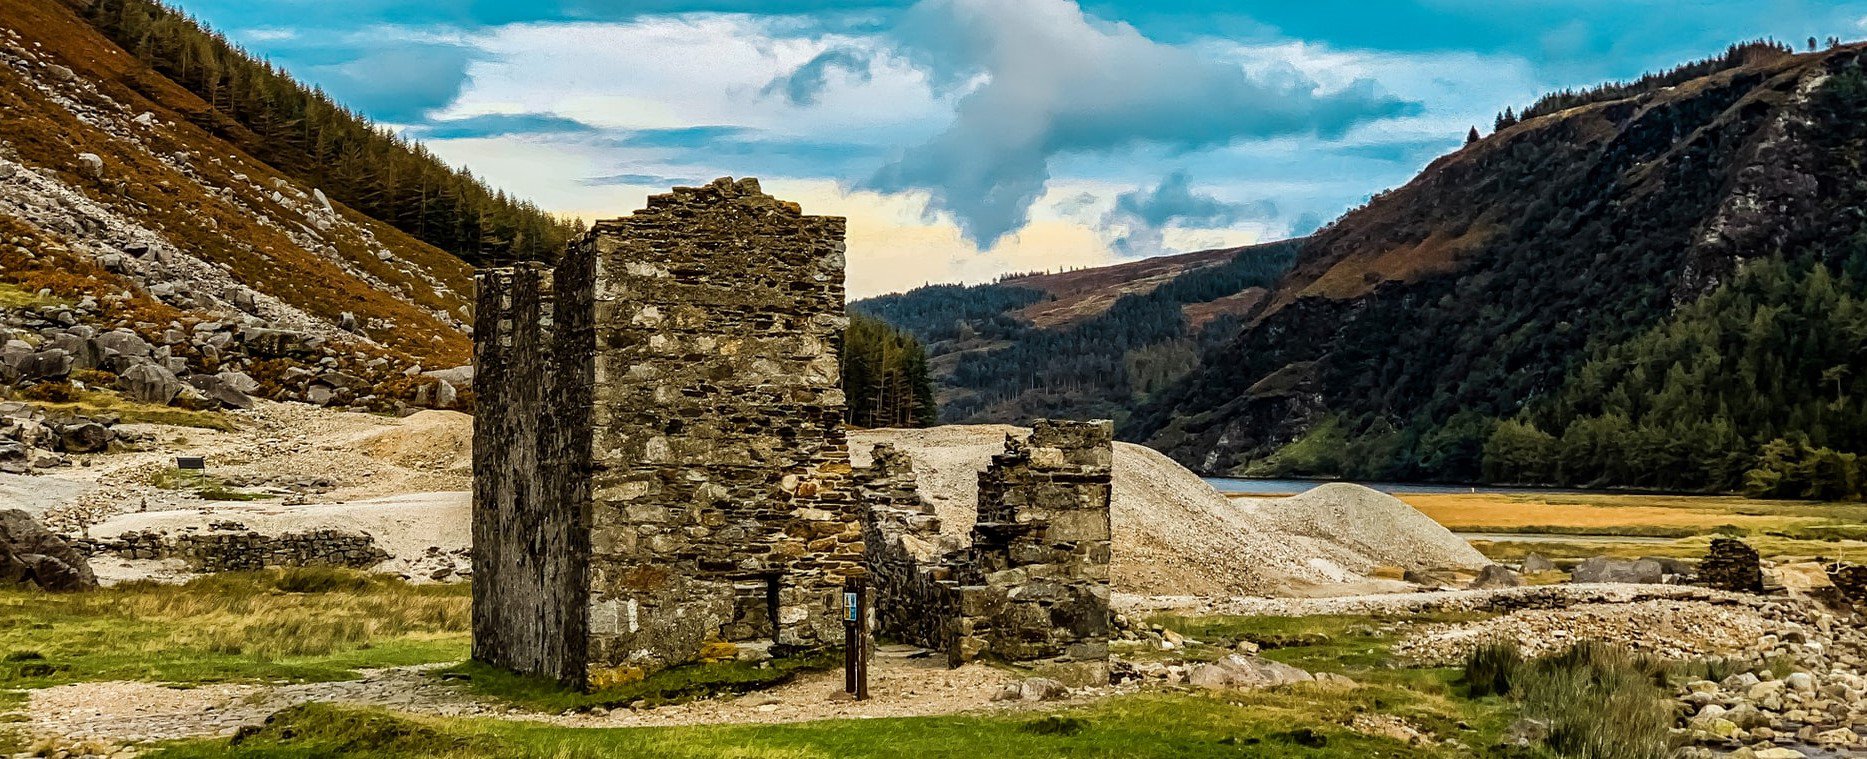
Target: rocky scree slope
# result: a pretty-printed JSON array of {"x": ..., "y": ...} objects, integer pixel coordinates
[
  {"x": 142, "y": 255},
  {"x": 1480, "y": 286}
]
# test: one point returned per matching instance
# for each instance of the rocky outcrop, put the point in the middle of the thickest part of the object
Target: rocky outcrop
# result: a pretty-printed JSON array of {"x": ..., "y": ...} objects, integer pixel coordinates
[
  {"x": 32, "y": 439},
  {"x": 31, "y": 555}
]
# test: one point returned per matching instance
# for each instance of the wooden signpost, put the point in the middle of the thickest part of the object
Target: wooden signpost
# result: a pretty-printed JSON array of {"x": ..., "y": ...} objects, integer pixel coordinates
[{"x": 855, "y": 638}]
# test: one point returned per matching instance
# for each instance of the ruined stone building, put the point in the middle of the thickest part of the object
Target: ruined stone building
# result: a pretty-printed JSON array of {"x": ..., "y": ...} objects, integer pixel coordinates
[{"x": 660, "y": 463}]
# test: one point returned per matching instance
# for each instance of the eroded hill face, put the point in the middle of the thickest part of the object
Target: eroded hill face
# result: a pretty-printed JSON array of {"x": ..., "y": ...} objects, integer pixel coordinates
[
  {"x": 118, "y": 212},
  {"x": 1479, "y": 287}
]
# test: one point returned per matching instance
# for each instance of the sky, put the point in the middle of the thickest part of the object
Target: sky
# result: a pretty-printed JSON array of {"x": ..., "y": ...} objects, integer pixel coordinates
[{"x": 965, "y": 139}]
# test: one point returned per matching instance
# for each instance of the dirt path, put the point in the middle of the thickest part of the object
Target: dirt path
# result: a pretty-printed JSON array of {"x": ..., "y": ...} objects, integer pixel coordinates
[{"x": 901, "y": 685}]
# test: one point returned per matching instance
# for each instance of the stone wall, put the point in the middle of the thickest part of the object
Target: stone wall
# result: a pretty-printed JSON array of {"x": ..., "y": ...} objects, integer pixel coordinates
[
  {"x": 527, "y": 559},
  {"x": 1033, "y": 586},
  {"x": 230, "y": 548},
  {"x": 673, "y": 469},
  {"x": 1850, "y": 580},
  {"x": 910, "y": 569},
  {"x": 1731, "y": 565}
]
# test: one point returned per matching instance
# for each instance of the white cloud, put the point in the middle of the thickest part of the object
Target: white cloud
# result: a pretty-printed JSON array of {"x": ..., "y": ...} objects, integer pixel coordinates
[{"x": 663, "y": 72}]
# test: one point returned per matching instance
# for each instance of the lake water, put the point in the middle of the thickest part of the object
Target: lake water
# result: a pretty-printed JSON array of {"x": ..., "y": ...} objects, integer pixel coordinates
[{"x": 1293, "y": 487}]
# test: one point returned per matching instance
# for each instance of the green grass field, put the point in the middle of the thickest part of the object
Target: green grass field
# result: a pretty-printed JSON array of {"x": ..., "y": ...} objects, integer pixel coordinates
[{"x": 298, "y": 625}]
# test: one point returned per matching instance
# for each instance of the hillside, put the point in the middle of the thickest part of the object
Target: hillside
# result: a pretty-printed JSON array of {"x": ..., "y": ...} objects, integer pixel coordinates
[
  {"x": 1648, "y": 284},
  {"x": 223, "y": 272},
  {"x": 1089, "y": 343}
]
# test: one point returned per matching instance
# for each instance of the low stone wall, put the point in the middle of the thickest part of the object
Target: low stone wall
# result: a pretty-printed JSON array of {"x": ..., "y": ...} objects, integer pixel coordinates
[
  {"x": 1033, "y": 587},
  {"x": 1731, "y": 565},
  {"x": 228, "y": 550},
  {"x": 1850, "y": 580}
]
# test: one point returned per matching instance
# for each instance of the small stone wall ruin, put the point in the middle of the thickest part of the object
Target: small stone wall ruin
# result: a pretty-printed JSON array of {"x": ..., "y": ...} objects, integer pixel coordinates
[
  {"x": 1731, "y": 565},
  {"x": 232, "y": 548},
  {"x": 1033, "y": 586},
  {"x": 660, "y": 463}
]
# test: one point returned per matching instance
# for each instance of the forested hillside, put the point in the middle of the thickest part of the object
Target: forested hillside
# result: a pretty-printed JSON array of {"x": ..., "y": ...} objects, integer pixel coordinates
[
  {"x": 1085, "y": 344},
  {"x": 302, "y": 132},
  {"x": 1651, "y": 284}
]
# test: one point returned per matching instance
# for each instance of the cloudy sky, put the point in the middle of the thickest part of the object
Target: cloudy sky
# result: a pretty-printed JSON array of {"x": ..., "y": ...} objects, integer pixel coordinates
[{"x": 967, "y": 138}]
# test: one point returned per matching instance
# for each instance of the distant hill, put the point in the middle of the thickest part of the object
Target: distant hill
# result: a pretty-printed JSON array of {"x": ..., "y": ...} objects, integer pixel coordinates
[
  {"x": 1657, "y": 283},
  {"x": 1090, "y": 343}
]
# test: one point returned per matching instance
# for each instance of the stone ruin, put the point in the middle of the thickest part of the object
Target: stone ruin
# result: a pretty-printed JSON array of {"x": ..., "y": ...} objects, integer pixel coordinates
[
  {"x": 660, "y": 464},
  {"x": 1731, "y": 565},
  {"x": 1033, "y": 585}
]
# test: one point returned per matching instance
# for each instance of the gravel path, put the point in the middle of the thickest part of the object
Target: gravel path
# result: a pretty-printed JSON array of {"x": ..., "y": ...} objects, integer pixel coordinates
[{"x": 901, "y": 684}]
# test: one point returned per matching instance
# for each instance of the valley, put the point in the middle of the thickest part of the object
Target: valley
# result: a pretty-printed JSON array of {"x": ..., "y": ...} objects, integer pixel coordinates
[{"x": 316, "y": 443}]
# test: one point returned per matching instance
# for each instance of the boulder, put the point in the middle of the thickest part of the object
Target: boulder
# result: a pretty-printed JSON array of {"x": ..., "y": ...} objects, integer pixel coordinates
[
  {"x": 1495, "y": 576},
  {"x": 1241, "y": 672},
  {"x": 83, "y": 437},
  {"x": 240, "y": 381},
  {"x": 91, "y": 164},
  {"x": 215, "y": 389},
  {"x": 49, "y": 363},
  {"x": 1431, "y": 578},
  {"x": 459, "y": 376},
  {"x": 122, "y": 342},
  {"x": 444, "y": 394},
  {"x": 1611, "y": 570},
  {"x": 149, "y": 383},
  {"x": 31, "y": 554},
  {"x": 275, "y": 343},
  {"x": 1537, "y": 562}
]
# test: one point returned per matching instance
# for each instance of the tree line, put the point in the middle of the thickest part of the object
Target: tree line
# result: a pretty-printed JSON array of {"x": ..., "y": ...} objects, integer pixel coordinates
[
  {"x": 302, "y": 132},
  {"x": 885, "y": 377}
]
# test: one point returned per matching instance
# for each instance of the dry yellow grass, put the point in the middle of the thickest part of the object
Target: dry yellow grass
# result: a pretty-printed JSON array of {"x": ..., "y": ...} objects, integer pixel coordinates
[{"x": 1498, "y": 510}]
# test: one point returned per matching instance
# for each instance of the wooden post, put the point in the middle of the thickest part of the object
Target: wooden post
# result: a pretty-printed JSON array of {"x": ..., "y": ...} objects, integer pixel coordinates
[{"x": 855, "y": 638}]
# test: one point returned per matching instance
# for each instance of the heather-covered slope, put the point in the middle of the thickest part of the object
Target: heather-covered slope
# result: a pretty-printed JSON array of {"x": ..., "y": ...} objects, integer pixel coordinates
[
  {"x": 118, "y": 211},
  {"x": 1409, "y": 328}
]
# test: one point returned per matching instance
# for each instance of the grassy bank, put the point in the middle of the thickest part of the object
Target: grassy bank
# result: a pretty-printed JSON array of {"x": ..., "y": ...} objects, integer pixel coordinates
[
  {"x": 1297, "y": 722},
  {"x": 301, "y": 624}
]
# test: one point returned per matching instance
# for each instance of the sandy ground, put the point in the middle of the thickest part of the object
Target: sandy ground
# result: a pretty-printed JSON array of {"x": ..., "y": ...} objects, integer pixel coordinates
[
  {"x": 297, "y": 451},
  {"x": 903, "y": 683}
]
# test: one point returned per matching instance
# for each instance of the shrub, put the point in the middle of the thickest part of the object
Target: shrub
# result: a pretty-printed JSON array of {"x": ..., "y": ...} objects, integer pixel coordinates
[
  {"x": 1491, "y": 668},
  {"x": 1627, "y": 714}
]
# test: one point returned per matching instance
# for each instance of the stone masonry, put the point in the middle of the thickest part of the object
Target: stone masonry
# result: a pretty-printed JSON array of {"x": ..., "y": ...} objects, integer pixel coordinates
[
  {"x": 1731, "y": 565},
  {"x": 1033, "y": 586},
  {"x": 660, "y": 460}
]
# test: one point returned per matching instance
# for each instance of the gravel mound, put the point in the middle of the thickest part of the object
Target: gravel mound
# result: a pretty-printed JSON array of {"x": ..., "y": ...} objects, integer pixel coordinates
[
  {"x": 1175, "y": 535},
  {"x": 1360, "y": 528}
]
